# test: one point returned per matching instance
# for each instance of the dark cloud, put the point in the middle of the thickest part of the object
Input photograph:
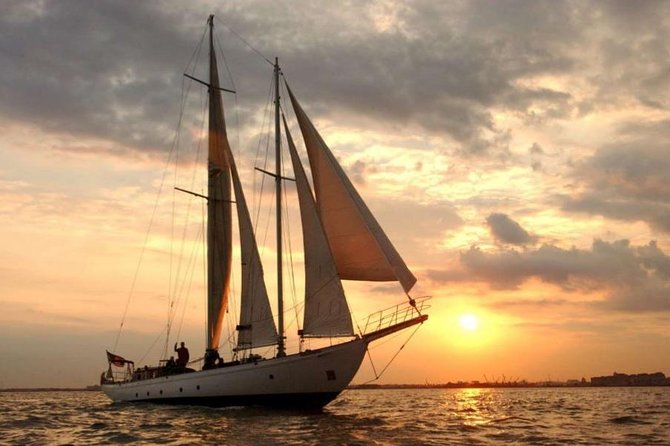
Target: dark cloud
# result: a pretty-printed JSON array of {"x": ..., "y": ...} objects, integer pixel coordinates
[
  {"x": 632, "y": 278},
  {"x": 629, "y": 179},
  {"x": 112, "y": 69},
  {"x": 91, "y": 69},
  {"x": 505, "y": 230}
]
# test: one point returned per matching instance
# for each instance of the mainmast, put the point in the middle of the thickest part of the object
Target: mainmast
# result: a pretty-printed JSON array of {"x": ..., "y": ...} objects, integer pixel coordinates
[{"x": 281, "y": 348}]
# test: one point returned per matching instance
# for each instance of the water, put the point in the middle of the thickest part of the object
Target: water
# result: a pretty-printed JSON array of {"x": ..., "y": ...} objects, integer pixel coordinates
[{"x": 589, "y": 416}]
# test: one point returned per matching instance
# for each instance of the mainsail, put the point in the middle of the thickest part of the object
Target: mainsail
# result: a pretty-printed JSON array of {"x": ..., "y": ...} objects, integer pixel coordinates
[
  {"x": 326, "y": 309},
  {"x": 360, "y": 248},
  {"x": 219, "y": 227}
]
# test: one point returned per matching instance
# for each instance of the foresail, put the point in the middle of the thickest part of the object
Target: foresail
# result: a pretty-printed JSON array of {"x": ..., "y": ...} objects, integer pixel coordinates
[
  {"x": 361, "y": 249},
  {"x": 257, "y": 326},
  {"x": 326, "y": 309},
  {"x": 219, "y": 227}
]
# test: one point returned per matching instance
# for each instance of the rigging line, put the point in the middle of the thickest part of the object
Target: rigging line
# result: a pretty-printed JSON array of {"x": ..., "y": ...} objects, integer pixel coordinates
[
  {"x": 170, "y": 300},
  {"x": 244, "y": 41},
  {"x": 175, "y": 142},
  {"x": 225, "y": 63},
  {"x": 203, "y": 231},
  {"x": 175, "y": 290},
  {"x": 192, "y": 268},
  {"x": 184, "y": 291},
  {"x": 231, "y": 310},
  {"x": 292, "y": 269},
  {"x": 196, "y": 52},
  {"x": 267, "y": 229},
  {"x": 173, "y": 293},
  {"x": 232, "y": 82},
  {"x": 386, "y": 340},
  {"x": 151, "y": 347},
  {"x": 289, "y": 260},
  {"x": 394, "y": 356},
  {"x": 290, "y": 247},
  {"x": 265, "y": 166},
  {"x": 287, "y": 219},
  {"x": 263, "y": 134},
  {"x": 374, "y": 369}
]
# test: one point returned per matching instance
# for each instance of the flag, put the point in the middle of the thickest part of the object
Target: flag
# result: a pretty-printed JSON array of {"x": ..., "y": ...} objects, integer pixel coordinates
[{"x": 117, "y": 360}]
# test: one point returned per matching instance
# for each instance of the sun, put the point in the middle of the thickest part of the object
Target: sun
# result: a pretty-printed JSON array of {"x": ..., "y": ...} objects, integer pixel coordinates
[{"x": 469, "y": 322}]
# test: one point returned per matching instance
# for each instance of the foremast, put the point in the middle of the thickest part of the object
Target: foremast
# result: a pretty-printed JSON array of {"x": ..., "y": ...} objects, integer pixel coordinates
[
  {"x": 219, "y": 227},
  {"x": 281, "y": 347}
]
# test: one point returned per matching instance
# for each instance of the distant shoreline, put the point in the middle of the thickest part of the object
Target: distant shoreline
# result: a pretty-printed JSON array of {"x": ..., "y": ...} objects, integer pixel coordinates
[
  {"x": 385, "y": 387},
  {"x": 657, "y": 379},
  {"x": 493, "y": 386}
]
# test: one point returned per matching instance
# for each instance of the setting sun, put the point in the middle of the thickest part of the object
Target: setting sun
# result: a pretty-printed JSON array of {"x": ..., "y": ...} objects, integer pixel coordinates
[{"x": 469, "y": 322}]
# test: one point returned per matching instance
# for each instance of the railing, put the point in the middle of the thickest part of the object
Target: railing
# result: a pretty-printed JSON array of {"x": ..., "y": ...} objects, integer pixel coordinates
[
  {"x": 112, "y": 376},
  {"x": 396, "y": 315}
]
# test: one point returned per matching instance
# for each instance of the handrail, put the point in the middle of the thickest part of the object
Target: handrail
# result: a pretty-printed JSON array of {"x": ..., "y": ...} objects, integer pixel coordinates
[{"x": 396, "y": 314}]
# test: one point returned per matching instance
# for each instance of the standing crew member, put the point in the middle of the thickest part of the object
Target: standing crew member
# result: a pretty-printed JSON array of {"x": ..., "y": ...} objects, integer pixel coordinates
[{"x": 182, "y": 355}]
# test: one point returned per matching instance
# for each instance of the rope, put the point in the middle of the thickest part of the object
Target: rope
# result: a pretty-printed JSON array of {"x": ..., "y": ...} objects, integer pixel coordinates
[
  {"x": 294, "y": 294},
  {"x": 245, "y": 42},
  {"x": 151, "y": 346},
  {"x": 266, "y": 114},
  {"x": 196, "y": 246},
  {"x": 174, "y": 288},
  {"x": 379, "y": 375}
]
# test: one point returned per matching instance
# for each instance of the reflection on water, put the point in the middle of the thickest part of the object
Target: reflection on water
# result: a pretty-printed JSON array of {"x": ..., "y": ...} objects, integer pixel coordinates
[
  {"x": 625, "y": 416},
  {"x": 471, "y": 406}
]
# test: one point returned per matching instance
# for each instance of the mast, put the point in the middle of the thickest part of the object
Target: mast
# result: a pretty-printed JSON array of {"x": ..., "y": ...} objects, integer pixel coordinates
[
  {"x": 281, "y": 348},
  {"x": 219, "y": 227},
  {"x": 210, "y": 204}
]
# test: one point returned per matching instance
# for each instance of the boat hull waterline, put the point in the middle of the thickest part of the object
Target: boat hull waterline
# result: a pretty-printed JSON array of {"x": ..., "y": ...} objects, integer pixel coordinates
[{"x": 308, "y": 380}]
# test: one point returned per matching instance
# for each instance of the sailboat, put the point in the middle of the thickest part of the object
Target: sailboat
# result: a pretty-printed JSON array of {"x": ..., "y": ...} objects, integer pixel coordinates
[{"x": 342, "y": 241}]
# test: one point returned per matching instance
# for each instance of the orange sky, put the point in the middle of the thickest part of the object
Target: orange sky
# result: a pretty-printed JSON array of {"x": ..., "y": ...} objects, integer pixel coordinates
[{"x": 518, "y": 162}]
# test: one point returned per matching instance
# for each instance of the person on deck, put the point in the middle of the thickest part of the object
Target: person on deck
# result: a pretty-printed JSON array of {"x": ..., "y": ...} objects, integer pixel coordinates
[
  {"x": 182, "y": 355},
  {"x": 211, "y": 356}
]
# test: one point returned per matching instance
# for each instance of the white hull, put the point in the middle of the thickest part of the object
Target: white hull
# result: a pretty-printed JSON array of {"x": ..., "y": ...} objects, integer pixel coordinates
[{"x": 306, "y": 380}]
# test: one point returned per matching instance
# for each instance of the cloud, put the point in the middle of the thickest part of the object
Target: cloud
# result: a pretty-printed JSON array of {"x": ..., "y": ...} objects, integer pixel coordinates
[
  {"x": 505, "y": 230},
  {"x": 628, "y": 179},
  {"x": 113, "y": 70},
  {"x": 632, "y": 278}
]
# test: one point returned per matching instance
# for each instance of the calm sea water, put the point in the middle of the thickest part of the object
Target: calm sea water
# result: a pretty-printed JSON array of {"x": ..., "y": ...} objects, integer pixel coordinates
[{"x": 622, "y": 416}]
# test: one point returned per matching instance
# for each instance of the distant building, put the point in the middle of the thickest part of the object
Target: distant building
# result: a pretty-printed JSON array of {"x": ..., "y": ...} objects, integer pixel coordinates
[{"x": 622, "y": 379}]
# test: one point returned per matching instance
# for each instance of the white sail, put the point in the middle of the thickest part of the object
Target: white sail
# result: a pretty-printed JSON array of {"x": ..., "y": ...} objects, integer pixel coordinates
[
  {"x": 219, "y": 227},
  {"x": 326, "y": 309},
  {"x": 257, "y": 326},
  {"x": 361, "y": 249}
]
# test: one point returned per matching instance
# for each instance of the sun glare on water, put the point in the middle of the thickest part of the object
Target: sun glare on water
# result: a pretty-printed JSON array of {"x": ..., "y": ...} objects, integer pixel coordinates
[{"x": 469, "y": 322}]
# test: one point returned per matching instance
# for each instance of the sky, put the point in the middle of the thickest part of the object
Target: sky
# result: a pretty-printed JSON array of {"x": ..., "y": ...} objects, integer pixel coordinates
[{"x": 515, "y": 152}]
